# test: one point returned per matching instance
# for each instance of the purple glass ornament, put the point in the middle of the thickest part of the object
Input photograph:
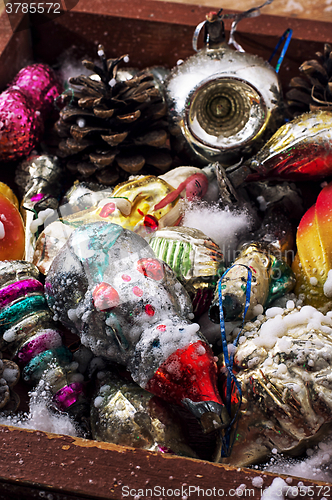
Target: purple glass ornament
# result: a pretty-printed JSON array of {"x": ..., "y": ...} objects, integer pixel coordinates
[
  {"x": 68, "y": 395},
  {"x": 24, "y": 107}
]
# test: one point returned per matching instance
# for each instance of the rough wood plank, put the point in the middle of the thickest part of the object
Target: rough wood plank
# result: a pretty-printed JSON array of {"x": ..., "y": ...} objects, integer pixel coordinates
[{"x": 49, "y": 463}]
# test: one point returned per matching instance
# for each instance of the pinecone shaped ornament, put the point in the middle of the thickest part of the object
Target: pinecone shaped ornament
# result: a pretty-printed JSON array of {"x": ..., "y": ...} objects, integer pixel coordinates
[
  {"x": 312, "y": 90},
  {"x": 113, "y": 128}
]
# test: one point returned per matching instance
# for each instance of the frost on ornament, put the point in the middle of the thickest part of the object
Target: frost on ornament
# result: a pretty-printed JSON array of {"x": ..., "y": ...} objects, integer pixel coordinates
[
  {"x": 127, "y": 306},
  {"x": 123, "y": 413},
  {"x": 284, "y": 367}
]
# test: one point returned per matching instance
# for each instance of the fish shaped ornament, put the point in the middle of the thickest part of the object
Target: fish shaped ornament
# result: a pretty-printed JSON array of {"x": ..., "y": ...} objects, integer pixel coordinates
[
  {"x": 265, "y": 256},
  {"x": 128, "y": 307},
  {"x": 300, "y": 150},
  {"x": 313, "y": 262},
  {"x": 223, "y": 103}
]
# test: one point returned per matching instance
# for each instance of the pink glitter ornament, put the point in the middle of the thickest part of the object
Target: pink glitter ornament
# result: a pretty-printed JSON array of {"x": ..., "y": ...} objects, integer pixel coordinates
[
  {"x": 24, "y": 107},
  {"x": 20, "y": 126},
  {"x": 40, "y": 83}
]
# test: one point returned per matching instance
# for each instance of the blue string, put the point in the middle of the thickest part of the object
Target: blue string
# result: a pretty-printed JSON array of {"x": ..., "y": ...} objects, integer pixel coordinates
[
  {"x": 229, "y": 360},
  {"x": 287, "y": 35}
]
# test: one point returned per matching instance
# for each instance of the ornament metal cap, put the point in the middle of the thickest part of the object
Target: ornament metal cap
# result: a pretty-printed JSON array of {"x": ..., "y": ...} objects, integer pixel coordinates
[{"x": 212, "y": 415}]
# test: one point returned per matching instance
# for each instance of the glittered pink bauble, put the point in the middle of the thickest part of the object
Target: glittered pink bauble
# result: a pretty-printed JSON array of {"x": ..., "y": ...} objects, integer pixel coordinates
[
  {"x": 40, "y": 83},
  {"x": 24, "y": 107},
  {"x": 20, "y": 124}
]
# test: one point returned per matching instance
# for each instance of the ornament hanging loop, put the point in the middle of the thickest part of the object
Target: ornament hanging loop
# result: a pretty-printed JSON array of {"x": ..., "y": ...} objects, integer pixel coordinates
[
  {"x": 285, "y": 39},
  {"x": 214, "y": 30}
]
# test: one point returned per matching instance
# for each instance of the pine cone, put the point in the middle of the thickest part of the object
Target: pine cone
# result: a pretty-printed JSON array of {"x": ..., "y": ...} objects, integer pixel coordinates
[
  {"x": 113, "y": 128},
  {"x": 313, "y": 91}
]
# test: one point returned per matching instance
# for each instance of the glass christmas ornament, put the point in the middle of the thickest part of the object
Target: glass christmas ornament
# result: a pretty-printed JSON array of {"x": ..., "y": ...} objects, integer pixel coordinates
[
  {"x": 32, "y": 339},
  {"x": 222, "y": 102},
  {"x": 143, "y": 204},
  {"x": 11, "y": 231},
  {"x": 7, "y": 191},
  {"x": 300, "y": 150},
  {"x": 284, "y": 367},
  {"x": 266, "y": 256},
  {"x": 123, "y": 413},
  {"x": 40, "y": 83},
  {"x": 20, "y": 124},
  {"x": 9, "y": 376},
  {"x": 39, "y": 179},
  {"x": 128, "y": 307},
  {"x": 196, "y": 260},
  {"x": 24, "y": 107},
  {"x": 313, "y": 261}
]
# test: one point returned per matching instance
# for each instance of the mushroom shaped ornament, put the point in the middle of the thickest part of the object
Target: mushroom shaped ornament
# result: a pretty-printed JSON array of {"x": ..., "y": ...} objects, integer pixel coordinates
[{"x": 128, "y": 307}]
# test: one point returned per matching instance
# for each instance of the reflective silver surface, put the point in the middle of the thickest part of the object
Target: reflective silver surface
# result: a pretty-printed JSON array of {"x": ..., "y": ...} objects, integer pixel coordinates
[{"x": 222, "y": 103}]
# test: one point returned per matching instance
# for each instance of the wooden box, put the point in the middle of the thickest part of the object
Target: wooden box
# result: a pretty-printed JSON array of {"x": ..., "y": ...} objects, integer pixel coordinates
[{"x": 35, "y": 464}]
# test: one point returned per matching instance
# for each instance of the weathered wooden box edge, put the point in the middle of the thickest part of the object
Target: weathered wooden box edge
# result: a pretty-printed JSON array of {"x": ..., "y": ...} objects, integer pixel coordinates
[{"x": 36, "y": 464}]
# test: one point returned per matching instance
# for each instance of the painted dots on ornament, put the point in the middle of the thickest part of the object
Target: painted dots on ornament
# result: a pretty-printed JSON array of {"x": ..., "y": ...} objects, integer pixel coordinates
[
  {"x": 151, "y": 268},
  {"x": 107, "y": 210},
  {"x": 161, "y": 328},
  {"x": 105, "y": 297},
  {"x": 137, "y": 291},
  {"x": 149, "y": 310},
  {"x": 126, "y": 277}
]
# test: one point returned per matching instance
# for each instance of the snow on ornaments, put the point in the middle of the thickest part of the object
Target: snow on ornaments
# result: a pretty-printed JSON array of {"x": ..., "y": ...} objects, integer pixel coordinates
[
  {"x": 128, "y": 307},
  {"x": 283, "y": 364},
  {"x": 24, "y": 107}
]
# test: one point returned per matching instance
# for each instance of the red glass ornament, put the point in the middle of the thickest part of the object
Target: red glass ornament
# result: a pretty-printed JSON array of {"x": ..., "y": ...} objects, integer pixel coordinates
[
  {"x": 105, "y": 297},
  {"x": 300, "y": 150},
  {"x": 190, "y": 373},
  {"x": 152, "y": 268}
]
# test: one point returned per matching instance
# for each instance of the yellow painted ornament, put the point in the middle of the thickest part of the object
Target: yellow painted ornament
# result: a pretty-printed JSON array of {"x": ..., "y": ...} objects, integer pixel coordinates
[{"x": 142, "y": 204}]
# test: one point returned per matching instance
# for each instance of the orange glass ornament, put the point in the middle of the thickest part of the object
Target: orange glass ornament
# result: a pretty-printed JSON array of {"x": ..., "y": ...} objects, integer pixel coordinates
[{"x": 11, "y": 231}]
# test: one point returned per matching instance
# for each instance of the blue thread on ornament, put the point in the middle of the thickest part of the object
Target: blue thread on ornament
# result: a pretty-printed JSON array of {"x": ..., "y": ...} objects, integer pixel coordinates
[
  {"x": 229, "y": 361},
  {"x": 287, "y": 37}
]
